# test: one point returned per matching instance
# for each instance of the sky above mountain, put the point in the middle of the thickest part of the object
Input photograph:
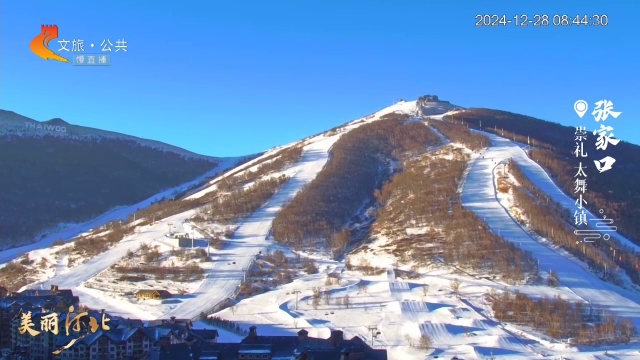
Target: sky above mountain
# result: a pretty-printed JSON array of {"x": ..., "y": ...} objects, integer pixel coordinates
[{"x": 238, "y": 77}]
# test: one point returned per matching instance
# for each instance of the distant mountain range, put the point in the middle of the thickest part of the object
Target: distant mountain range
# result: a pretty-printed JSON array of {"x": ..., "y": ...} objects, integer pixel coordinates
[{"x": 55, "y": 173}]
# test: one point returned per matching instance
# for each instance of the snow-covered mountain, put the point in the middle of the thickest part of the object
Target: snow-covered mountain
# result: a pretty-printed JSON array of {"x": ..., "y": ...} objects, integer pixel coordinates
[
  {"x": 401, "y": 284},
  {"x": 55, "y": 174},
  {"x": 13, "y": 124}
]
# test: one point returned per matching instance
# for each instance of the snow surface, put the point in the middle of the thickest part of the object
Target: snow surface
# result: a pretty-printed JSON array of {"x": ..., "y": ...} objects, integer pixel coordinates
[
  {"x": 458, "y": 325},
  {"x": 479, "y": 195},
  {"x": 73, "y": 230}
]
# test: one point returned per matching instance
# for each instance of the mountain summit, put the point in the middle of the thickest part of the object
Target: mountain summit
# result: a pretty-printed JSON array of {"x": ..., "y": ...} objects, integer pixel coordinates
[{"x": 431, "y": 105}]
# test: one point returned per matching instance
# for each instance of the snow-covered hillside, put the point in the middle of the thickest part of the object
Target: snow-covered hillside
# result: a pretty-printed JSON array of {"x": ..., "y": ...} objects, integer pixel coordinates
[
  {"x": 248, "y": 240},
  {"x": 479, "y": 195},
  {"x": 70, "y": 231},
  {"x": 395, "y": 309}
]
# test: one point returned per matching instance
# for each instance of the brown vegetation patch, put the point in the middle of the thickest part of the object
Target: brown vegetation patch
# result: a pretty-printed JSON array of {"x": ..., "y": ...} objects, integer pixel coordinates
[
  {"x": 562, "y": 319},
  {"x": 273, "y": 269},
  {"x": 360, "y": 161},
  {"x": 503, "y": 185},
  {"x": 14, "y": 276},
  {"x": 241, "y": 202},
  {"x": 175, "y": 273},
  {"x": 272, "y": 163},
  {"x": 425, "y": 195},
  {"x": 93, "y": 245}
]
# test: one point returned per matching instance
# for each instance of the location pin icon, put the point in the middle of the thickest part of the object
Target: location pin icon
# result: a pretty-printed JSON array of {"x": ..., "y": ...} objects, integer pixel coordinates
[{"x": 580, "y": 107}]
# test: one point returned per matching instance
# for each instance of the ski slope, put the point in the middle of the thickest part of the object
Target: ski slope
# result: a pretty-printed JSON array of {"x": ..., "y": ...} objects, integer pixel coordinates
[
  {"x": 250, "y": 237},
  {"x": 479, "y": 196},
  {"x": 541, "y": 179},
  {"x": 115, "y": 214},
  {"x": 74, "y": 277}
]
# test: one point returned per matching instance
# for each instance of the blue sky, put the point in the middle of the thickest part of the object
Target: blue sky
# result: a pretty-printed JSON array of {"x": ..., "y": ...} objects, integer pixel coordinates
[{"x": 229, "y": 78}]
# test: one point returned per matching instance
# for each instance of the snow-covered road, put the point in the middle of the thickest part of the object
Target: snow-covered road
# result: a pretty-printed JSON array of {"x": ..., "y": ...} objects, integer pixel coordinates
[
  {"x": 250, "y": 237},
  {"x": 479, "y": 196}
]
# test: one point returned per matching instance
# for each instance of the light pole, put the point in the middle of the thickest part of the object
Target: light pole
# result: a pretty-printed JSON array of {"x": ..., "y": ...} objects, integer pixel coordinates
[
  {"x": 374, "y": 332},
  {"x": 296, "y": 292}
]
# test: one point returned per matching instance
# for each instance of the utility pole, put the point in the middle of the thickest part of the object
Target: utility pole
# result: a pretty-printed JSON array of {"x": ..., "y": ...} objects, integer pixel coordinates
[
  {"x": 193, "y": 235},
  {"x": 296, "y": 292},
  {"x": 374, "y": 332}
]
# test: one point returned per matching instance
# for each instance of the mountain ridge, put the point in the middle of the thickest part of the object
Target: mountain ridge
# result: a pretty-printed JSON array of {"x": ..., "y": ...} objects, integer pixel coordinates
[
  {"x": 14, "y": 124},
  {"x": 57, "y": 173}
]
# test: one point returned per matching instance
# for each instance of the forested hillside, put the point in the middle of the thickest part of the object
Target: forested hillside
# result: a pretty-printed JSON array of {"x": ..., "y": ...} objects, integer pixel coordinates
[
  {"x": 49, "y": 180},
  {"x": 614, "y": 190},
  {"x": 421, "y": 219},
  {"x": 360, "y": 161}
]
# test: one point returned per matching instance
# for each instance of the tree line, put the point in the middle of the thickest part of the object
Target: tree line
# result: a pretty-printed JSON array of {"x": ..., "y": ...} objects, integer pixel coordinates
[
  {"x": 230, "y": 191},
  {"x": 272, "y": 163},
  {"x": 187, "y": 272},
  {"x": 614, "y": 190},
  {"x": 359, "y": 162},
  {"x": 242, "y": 202},
  {"x": 461, "y": 135},
  {"x": 562, "y": 319},
  {"x": 426, "y": 195},
  {"x": 549, "y": 219}
]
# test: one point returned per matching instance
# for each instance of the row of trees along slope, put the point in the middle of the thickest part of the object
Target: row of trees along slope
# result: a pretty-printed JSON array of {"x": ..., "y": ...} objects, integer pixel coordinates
[
  {"x": 359, "y": 162},
  {"x": 552, "y": 221},
  {"x": 232, "y": 198},
  {"x": 615, "y": 190},
  {"x": 562, "y": 319},
  {"x": 425, "y": 195}
]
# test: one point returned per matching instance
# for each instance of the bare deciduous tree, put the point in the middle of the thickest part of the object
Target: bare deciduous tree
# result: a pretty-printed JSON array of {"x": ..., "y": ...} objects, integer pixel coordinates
[
  {"x": 455, "y": 286},
  {"x": 327, "y": 297},
  {"x": 560, "y": 318},
  {"x": 425, "y": 342},
  {"x": 409, "y": 340}
]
